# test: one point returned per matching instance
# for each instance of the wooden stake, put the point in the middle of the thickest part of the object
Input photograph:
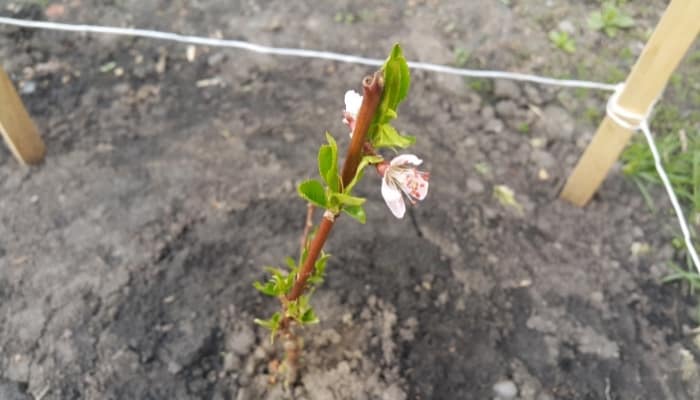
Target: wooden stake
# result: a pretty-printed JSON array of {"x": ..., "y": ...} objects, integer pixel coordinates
[
  {"x": 676, "y": 31},
  {"x": 16, "y": 126}
]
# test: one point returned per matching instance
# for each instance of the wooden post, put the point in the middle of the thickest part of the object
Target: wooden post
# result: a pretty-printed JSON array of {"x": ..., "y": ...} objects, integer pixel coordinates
[
  {"x": 673, "y": 36},
  {"x": 16, "y": 126}
]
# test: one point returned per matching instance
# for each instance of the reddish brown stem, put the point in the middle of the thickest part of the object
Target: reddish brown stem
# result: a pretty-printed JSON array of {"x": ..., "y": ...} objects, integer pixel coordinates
[
  {"x": 372, "y": 87},
  {"x": 315, "y": 248},
  {"x": 372, "y": 95},
  {"x": 292, "y": 349}
]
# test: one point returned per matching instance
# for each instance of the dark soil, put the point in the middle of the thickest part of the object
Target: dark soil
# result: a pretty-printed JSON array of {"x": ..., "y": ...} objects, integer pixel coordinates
[{"x": 127, "y": 258}]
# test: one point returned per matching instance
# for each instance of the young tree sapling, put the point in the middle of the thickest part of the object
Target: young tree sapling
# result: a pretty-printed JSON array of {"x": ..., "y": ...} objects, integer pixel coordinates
[{"x": 368, "y": 117}]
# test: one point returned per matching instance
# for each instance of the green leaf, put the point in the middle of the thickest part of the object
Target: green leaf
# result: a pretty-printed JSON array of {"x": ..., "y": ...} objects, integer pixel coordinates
[
  {"x": 595, "y": 21},
  {"x": 333, "y": 144},
  {"x": 268, "y": 288},
  {"x": 387, "y": 116},
  {"x": 569, "y": 47},
  {"x": 299, "y": 310},
  {"x": 280, "y": 282},
  {"x": 309, "y": 317},
  {"x": 366, "y": 160},
  {"x": 358, "y": 176},
  {"x": 333, "y": 205},
  {"x": 562, "y": 41},
  {"x": 273, "y": 324},
  {"x": 692, "y": 278},
  {"x": 397, "y": 81},
  {"x": 314, "y": 280},
  {"x": 319, "y": 269},
  {"x": 388, "y": 136},
  {"x": 325, "y": 160},
  {"x": 624, "y": 21},
  {"x": 610, "y": 19},
  {"x": 348, "y": 200},
  {"x": 356, "y": 212},
  {"x": 293, "y": 310},
  {"x": 397, "y": 78},
  {"x": 392, "y": 87},
  {"x": 328, "y": 163},
  {"x": 290, "y": 263},
  {"x": 304, "y": 302},
  {"x": 313, "y": 191},
  {"x": 645, "y": 194},
  {"x": 405, "y": 73}
]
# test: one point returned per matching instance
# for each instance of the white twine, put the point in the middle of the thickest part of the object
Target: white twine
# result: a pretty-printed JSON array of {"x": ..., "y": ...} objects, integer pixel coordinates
[
  {"x": 640, "y": 122},
  {"x": 625, "y": 118},
  {"x": 303, "y": 53}
]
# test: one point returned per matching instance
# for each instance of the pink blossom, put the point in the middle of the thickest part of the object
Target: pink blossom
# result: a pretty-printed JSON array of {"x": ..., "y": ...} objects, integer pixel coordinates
[
  {"x": 402, "y": 178},
  {"x": 353, "y": 101}
]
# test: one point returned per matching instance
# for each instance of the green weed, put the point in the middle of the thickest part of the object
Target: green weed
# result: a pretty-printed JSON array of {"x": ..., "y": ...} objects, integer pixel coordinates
[
  {"x": 345, "y": 17},
  {"x": 480, "y": 85},
  {"x": 461, "y": 57},
  {"x": 680, "y": 154},
  {"x": 562, "y": 41},
  {"x": 610, "y": 19},
  {"x": 524, "y": 128}
]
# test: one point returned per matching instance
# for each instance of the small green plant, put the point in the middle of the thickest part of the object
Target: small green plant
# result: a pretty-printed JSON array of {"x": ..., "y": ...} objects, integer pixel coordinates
[
  {"x": 687, "y": 275},
  {"x": 626, "y": 55},
  {"x": 480, "y": 85},
  {"x": 680, "y": 154},
  {"x": 524, "y": 128},
  {"x": 345, "y": 17},
  {"x": 483, "y": 169},
  {"x": 369, "y": 120},
  {"x": 506, "y": 196},
  {"x": 562, "y": 41},
  {"x": 681, "y": 274},
  {"x": 461, "y": 57},
  {"x": 610, "y": 19},
  {"x": 593, "y": 115},
  {"x": 615, "y": 75}
]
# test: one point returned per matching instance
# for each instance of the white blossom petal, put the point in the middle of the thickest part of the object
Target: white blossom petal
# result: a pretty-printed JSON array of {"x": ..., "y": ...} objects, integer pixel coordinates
[
  {"x": 353, "y": 101},
  {"x": 393, "y": 198},
  {"x": 414, "y": 183},
  {"x": 349, "y": 120},
  {"x": 406, "y": 159},
  {"x": 422, "y": 190}
]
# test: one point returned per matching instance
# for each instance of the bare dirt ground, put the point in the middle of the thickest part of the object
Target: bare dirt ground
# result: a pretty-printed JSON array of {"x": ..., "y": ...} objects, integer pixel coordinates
[{"x": 127, "y": 258}]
